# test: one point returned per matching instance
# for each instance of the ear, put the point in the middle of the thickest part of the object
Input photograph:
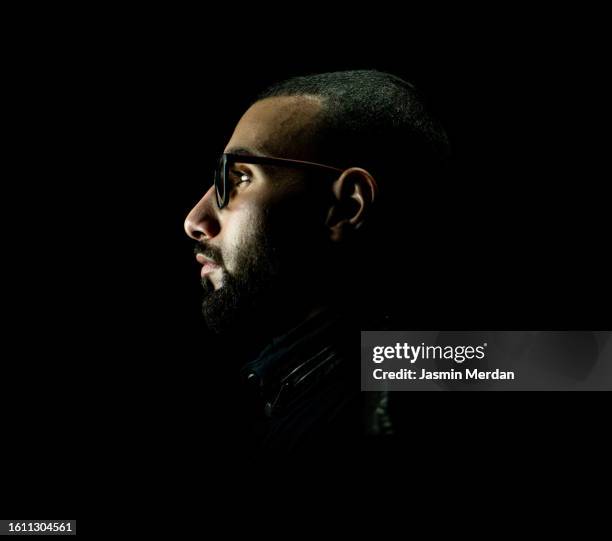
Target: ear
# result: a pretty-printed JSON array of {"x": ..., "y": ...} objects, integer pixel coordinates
[{"x": 354, "y": 193}]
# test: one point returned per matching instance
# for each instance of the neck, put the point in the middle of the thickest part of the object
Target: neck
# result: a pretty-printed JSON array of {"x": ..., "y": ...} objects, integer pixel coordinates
[{"x": 252, "y": 338}]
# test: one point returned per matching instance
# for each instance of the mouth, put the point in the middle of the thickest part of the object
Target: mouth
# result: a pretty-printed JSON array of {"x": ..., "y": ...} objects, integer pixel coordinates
[{"x": 208, "y": 265}]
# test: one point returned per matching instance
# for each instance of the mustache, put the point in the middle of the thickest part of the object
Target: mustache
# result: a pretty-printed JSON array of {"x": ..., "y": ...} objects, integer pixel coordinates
[{"x": 211, "y": 252}]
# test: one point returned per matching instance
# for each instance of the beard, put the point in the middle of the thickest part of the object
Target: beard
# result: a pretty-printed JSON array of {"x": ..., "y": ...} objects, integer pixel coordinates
[
  {"x": 280, "y": 269},
  {"x": 263, "y": 286},
  {"x": 241, "y": 292}
]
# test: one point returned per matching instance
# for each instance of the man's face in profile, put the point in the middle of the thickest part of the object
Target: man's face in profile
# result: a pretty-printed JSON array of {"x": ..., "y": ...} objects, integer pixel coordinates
[{"x": 264, "y": 249}]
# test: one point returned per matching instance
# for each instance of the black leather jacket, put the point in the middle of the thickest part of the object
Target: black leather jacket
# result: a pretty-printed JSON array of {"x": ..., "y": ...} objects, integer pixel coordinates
[{"x": 304, "y": 390}]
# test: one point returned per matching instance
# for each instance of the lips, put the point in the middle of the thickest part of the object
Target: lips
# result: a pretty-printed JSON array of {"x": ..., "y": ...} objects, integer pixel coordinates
[{"x": 208, "y": 265}]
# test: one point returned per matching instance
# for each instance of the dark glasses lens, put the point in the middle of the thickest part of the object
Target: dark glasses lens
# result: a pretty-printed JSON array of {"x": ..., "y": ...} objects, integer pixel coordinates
[{"x": 220, "y": 183}]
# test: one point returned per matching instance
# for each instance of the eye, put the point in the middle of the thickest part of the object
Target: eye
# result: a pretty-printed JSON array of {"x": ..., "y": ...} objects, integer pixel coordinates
[{"x": 238, "y": 177}]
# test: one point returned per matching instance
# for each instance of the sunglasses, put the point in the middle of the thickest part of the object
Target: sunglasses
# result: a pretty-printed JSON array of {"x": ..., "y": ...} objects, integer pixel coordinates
[{"x": 225, "y": 178}]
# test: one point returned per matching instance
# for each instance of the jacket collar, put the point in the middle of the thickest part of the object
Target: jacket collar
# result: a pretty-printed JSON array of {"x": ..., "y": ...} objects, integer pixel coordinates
[{"x": 294, "y": 359}]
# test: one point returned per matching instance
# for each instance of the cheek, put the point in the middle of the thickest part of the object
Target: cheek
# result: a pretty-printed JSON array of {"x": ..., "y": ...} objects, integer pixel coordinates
[
  {"x": 287, "y": 219},
  {"x": 240, "y": 232}
]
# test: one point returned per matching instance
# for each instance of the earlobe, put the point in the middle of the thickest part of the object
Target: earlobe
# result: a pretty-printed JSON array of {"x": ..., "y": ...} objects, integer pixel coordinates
[{"x": 354, "y": 193}]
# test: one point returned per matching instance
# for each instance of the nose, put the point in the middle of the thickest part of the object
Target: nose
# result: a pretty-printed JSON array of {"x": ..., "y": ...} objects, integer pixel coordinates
[{"x": 202, "y": 222}]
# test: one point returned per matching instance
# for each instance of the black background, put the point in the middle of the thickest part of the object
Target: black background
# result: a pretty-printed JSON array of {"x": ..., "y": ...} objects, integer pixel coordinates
[{"x": 117, "y": 127}]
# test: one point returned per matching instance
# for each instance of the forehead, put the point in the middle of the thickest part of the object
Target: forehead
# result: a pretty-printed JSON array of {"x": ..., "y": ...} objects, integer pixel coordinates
[{"x": 281, "y": 126}]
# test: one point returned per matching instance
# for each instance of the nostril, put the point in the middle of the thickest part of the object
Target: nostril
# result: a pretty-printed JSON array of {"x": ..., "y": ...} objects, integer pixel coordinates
[{"x": 197, "y": 235}]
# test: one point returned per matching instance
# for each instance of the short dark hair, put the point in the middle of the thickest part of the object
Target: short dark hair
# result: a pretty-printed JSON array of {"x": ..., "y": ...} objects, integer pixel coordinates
[{"x": 369, "y": 116}]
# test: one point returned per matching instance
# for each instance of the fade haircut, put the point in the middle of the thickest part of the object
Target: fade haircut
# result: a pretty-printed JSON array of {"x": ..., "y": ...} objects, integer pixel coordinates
[{"x": 376, "y": 121}]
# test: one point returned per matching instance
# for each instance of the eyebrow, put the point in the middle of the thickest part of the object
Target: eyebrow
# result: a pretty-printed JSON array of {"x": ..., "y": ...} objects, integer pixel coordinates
[{"x": 244, "y": 151}]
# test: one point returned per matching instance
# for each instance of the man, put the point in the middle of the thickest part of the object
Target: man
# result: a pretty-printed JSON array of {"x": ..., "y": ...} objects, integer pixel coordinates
[{"x": 296, "y": 241}]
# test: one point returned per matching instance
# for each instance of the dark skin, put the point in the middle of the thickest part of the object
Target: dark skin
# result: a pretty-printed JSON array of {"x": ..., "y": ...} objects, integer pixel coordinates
[{"x": 285, "y": 200}]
